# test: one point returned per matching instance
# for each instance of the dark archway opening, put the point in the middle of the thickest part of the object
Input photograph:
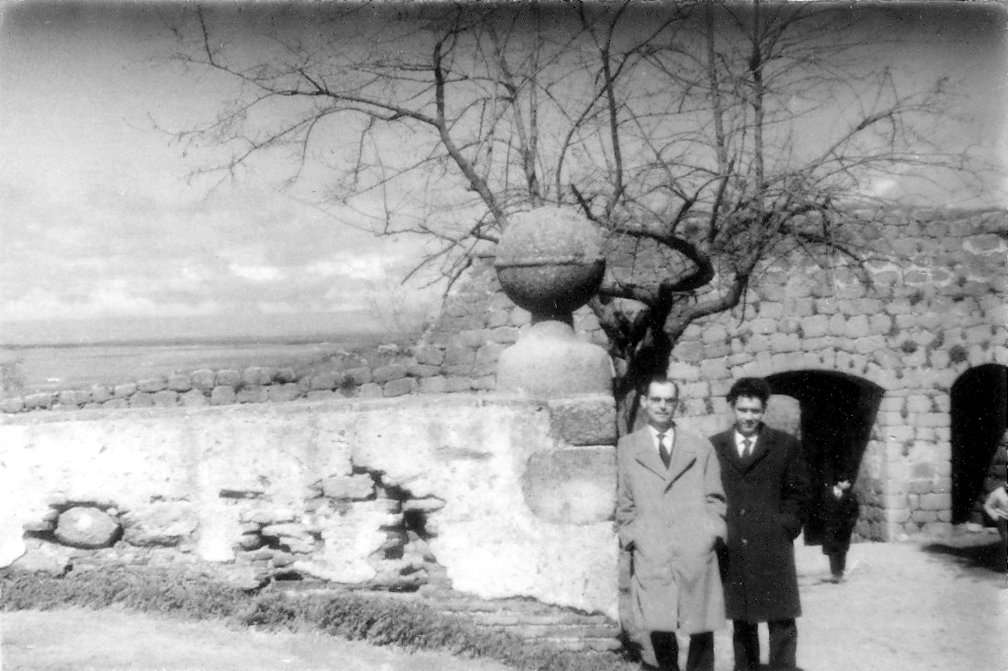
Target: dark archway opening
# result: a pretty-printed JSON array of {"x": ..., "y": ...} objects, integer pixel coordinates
[
  {"x": 837, "y": 415},
  {"x": 979, "y": 408}
]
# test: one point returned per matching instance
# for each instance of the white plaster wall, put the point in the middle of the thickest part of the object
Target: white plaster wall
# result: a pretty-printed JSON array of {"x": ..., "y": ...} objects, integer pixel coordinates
[{"x": 468, "y": 450}]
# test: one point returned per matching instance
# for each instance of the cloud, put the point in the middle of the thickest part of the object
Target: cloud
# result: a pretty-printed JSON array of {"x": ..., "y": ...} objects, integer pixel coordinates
[
  {"x": 259, "y": 274},
  {"x": 111, "y": 299}
]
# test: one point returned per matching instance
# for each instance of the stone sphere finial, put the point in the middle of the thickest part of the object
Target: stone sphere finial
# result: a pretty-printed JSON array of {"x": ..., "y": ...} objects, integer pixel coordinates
[{"x": 549, "y": 261}]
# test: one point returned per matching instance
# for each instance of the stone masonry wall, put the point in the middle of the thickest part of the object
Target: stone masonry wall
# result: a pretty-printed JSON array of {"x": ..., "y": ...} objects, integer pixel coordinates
[
  {"x": 433, "y": 496},
  {"x": 934, "y": 307},
  {"x": 458, "y": 355}
]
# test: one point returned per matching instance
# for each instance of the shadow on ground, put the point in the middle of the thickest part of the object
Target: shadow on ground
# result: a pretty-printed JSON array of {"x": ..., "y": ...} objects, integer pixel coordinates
[{"x": 985, "y": 557}]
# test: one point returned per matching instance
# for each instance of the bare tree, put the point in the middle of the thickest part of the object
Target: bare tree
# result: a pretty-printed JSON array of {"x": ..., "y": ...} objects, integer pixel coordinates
[{"x": 682, "y": 132}]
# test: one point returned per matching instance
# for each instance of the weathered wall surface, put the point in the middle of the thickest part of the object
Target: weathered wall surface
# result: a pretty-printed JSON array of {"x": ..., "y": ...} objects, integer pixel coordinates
[{"x": 396, "y": 493}]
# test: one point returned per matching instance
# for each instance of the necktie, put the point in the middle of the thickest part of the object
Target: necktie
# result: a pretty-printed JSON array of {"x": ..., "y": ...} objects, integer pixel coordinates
[
  {"x": 663, "y": 451},
  {"x": 746, "y": 447}
]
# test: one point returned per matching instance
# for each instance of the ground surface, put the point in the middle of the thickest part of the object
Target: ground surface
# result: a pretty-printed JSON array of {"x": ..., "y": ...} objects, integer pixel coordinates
[{"x": 913, "y": 607}]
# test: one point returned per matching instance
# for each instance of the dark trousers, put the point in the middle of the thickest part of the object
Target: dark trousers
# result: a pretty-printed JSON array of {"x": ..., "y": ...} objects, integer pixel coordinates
[
  {"x": 783, "y": 645},
  {"x": 837, "y": 562},
  {"x": 700, "y": 656}
]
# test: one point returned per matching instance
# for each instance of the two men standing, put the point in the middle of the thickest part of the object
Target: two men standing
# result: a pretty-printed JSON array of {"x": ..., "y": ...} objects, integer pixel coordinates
[{"x": 672, "y": 489}]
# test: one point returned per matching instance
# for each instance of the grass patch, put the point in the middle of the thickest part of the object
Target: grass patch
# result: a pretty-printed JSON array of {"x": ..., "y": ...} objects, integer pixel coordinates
[{"x": 350, "y": 615}]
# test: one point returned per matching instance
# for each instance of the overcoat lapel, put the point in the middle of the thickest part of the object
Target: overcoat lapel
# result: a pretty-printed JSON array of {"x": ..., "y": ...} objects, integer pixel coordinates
[
  {"x": 683, "y": 457},
  {"x": 646, "y": 454},
  {"x": 760, "y": 449}
]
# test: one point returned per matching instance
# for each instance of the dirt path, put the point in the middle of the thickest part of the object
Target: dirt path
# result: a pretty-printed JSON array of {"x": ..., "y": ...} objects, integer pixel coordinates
[{"x": 905, "y": 607}]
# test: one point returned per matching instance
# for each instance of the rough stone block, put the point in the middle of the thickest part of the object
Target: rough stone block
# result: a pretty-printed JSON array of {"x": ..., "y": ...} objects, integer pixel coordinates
[
  {"x": 180, "y": 382},
  {"x": 682, "y": 372},
  {"x": 285, "y": 529},
  {"x": 520, "y": 317},
  {"x": 281, "y": 393},
  {"x": 358, "y": 375},
  {"x": 584, "y": 420},
  {"x": 393, "y": 371},
  {"x": 484, "y": 383},
  {"x": 254, "y": 376},
  {"x": 141, "y": 399},
  {"x": 716, "y": 350},
  {"x": 152, "y": 384},
  {"x": 433, "y": 385},
  {"x": 715, "y": 333},
  {"x": 252, "y": 394},
  {"x": 418, "y": 370},
  {"x": 400, "y": 387},
  {"x": 326, "y": 381},
  {"x": 162, "y": 523},
  {"x": 458, "y": 355},
  {"x": 124, "y": 390},
  {"x": 222, "y": 395},
  {"x": 12, "y": 405},
  {"x": 165, "y": 399},
  {"x": 86, "y": 527},
  {"x": 426, "y": 505},
  {"x": 431, "y": 356},
  {"x": 764, "y": 326},
  {"x": 688, "y": 351},
  {"x": 936, "y": 501},
  {"x": 204, "y": 379},
  {"x": 504, "y": 334},
  {"x": 837, "y": 325},
  {"x": 321, "y": 395},
  {"x": 194, "y": 398},
  {"x": 354, "y": 487},
  {"x": 471, "y": 338},
  {"x": 284, "y": 375},
  {"x": 228, "y": 378},
  {"x": 771, "y": 310},
  {"x": 251, "y": 541},
  {"x": 572, "y": 486},
  {"x": 780, "y": 343},
  {"x": 369, "y": 390},
  {"x": 116, "y": 403}
]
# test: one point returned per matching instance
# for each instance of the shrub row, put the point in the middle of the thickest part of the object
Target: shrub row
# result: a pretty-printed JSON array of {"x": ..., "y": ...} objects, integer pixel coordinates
[{"x": 351, "y": 615}]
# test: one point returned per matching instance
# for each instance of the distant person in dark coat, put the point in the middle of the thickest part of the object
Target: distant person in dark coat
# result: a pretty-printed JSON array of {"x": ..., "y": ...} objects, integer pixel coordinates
[
  {"x": 767, "y": 486},
  {"x": 840, "y": 514}
]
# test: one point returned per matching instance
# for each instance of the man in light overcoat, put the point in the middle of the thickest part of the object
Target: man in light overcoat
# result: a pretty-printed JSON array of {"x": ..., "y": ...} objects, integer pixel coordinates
[
  {"x": 767, "y": 485},
  {"x": 670, "y": 515}
]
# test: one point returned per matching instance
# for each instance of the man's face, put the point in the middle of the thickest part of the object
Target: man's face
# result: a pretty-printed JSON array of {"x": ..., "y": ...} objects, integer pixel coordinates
[
  {"x": 660, "y": 402},
  {"x": 748, "y": 414}
]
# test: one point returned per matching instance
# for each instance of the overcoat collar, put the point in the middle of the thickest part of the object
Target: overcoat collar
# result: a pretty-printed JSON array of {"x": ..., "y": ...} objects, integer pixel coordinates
[{"x": 646, "y": 454}]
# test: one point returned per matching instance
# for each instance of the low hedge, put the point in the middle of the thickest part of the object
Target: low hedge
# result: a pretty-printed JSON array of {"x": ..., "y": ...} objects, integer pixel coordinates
[{"x": 346, "y": 614}]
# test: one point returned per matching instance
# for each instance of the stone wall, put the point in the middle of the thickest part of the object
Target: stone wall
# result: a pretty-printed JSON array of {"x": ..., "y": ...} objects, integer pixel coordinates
[
  {"x": 933, "y": 307},
  {"x": 430, "y": 495}
]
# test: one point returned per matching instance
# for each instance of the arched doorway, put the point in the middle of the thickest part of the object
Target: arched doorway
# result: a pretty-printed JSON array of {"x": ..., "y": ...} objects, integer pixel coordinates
[
  {"x": 978, "y": 408},
  {"x": 837, "y": 415}
]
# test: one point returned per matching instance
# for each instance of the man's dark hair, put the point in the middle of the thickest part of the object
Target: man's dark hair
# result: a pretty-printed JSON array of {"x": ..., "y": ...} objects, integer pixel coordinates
[
  {"x": 658, "y": 379},
  {"x": 750, "y": 387}
]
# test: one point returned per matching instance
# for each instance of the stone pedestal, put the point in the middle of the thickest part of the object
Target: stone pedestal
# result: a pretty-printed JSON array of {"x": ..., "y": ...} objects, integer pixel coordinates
[
  {"x": 550, "y": 362},
  {"x": 549, "y": 261}
]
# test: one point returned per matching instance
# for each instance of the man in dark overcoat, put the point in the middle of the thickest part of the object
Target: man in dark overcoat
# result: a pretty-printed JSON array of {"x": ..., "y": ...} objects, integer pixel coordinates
[
  {"x": 767, "y": 486},
  {"x": 670, "y": 517}
]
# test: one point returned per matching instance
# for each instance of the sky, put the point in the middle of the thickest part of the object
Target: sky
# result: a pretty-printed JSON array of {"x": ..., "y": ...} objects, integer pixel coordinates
[{"x": 104, "y": 236}]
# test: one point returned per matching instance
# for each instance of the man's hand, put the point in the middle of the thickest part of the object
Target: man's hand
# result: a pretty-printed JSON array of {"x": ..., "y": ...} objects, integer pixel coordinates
[{"x": 996, "y": 504}]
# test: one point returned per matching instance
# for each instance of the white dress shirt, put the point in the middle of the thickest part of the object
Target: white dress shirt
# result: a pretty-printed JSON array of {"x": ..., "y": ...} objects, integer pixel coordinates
[
  {"x": 740, "y": 442},
  {"x": 669, "y": 438}
]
